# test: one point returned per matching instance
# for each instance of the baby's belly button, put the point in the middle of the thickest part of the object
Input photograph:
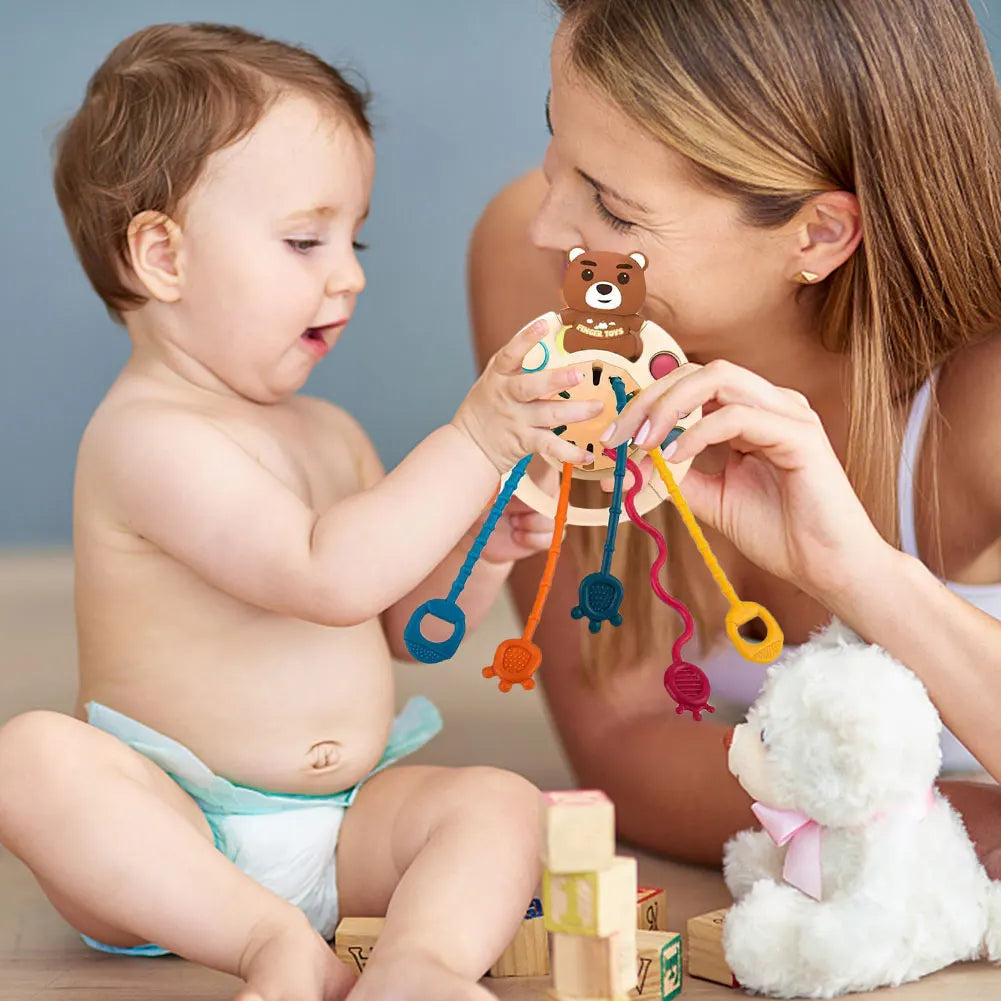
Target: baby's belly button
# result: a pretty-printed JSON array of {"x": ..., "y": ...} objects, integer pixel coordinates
[{"x": 323, "y": 757}]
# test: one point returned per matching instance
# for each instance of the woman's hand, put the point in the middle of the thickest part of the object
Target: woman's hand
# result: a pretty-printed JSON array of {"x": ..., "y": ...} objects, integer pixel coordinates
[{"x": 783, "y": 497}]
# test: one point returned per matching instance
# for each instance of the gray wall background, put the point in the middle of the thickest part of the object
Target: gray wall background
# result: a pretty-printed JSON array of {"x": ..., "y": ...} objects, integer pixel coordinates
[{"x": 459, "y": 87}]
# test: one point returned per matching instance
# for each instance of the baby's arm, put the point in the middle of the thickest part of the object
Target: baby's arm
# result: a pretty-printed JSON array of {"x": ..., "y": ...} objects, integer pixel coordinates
[{"x": 181, "y": 482}]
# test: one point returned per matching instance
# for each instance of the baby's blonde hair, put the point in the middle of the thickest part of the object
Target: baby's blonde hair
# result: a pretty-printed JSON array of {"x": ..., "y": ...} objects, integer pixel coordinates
[
  {"x": 165, "y": 99},
  {"x": 773, "y": 102}
]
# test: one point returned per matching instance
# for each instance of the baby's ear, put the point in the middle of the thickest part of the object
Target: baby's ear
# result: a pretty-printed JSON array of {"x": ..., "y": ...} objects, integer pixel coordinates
[{"x": 154, "y": 241}]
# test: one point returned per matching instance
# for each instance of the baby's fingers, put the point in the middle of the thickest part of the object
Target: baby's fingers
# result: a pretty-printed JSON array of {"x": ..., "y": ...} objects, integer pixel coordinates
[
  {"x": 552, "y": 446},
  {"x": 560, "y": 413},
  {"x": 530, "y": 386},
  {"x": 509, "y": 358}
]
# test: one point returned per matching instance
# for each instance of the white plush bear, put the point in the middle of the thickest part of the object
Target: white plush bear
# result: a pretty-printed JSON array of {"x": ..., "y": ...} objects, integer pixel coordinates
[{"x": 877, "y": 882}]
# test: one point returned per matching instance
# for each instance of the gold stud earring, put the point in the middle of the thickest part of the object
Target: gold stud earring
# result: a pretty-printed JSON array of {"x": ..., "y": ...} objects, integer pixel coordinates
[{"x": 806, "y": 277}]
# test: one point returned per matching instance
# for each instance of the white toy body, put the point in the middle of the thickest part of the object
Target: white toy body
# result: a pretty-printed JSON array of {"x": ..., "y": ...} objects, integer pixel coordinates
[{"x": 851, "y": 741}]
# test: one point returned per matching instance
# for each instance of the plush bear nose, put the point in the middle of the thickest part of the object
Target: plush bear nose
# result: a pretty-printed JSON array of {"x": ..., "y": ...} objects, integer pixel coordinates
[
  {"x": 728, "y": 739},
  {"x": 603, "y": 287}
]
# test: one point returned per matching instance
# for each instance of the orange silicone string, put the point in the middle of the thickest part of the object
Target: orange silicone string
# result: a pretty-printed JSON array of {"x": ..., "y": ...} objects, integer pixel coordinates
[{"x": 554, "y": 551}]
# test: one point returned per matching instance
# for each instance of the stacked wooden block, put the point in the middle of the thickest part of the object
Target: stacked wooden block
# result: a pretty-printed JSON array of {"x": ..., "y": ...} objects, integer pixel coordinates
[{"x": 590, "y": 905}]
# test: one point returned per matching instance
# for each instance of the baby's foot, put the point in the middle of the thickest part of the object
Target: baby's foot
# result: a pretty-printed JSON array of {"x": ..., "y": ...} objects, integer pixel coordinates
[
  {"x": 293, "y": 964},
  {"x": 414, "y": 976}
]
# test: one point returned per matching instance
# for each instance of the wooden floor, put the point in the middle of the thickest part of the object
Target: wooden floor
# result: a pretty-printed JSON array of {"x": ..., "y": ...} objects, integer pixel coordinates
[{"x": 41, "y": 958}]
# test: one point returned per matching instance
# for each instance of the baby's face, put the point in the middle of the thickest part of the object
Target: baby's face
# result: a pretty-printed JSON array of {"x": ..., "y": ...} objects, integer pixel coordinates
[{"x": 269, "y": 272}]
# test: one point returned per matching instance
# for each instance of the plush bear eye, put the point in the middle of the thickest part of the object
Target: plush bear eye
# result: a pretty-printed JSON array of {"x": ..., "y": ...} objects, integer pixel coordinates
[
  {"x": 623, "y": 278},
  {"x": 587, "y": 274}
]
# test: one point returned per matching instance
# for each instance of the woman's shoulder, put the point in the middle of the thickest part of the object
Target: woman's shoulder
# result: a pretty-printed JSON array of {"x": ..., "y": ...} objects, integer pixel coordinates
[
  {"x": 511, "y": 281},
  {"x": 969, "y": 399}
]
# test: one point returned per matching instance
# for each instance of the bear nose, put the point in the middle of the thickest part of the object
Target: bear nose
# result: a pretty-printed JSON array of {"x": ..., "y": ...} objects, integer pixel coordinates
[
  {"x": 603, "y": 287},
  {"x": 728, "y": 739}
]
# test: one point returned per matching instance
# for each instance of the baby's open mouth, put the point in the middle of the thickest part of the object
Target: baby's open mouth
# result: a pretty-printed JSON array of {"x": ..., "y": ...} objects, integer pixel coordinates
[{"x": 313, "y": 334}]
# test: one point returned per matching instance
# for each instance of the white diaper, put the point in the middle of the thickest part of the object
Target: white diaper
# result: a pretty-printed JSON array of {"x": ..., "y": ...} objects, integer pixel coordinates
[{"x": 292, "y": 854}]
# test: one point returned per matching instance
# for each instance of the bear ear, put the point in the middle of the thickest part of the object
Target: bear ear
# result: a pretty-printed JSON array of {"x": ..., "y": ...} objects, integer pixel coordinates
[
  {"x": 639, "y": 258},
  {"x": 573, "y": 254}
]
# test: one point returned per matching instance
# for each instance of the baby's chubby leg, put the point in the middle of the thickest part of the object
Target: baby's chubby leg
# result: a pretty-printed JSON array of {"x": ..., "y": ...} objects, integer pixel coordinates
[
  {"x": 126, "y": 856},
  {"x": 450, "y": 856}
]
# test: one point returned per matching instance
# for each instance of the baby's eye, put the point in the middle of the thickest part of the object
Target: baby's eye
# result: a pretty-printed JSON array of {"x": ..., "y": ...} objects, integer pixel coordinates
[{"x": 302, "y": 246}]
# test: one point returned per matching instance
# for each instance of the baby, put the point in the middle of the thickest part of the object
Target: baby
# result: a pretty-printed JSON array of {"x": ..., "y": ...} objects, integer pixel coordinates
[{"x": 245, "y": 567}]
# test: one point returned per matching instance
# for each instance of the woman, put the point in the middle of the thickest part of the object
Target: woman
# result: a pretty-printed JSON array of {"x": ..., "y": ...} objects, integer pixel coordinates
[{"x": 815, "y": 188}]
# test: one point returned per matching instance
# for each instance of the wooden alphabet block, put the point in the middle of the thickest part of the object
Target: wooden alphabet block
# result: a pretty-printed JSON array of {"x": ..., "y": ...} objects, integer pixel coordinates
[
  {"x": 705, "y": 949},
  {"x": 591, "y": 903},
  {"x": 354, "y": 939},
  {"x": 588, "y": 966},
  {"x": 658, "y": 976},
  {"x": 578, "y": 831},
  {"x": 651, "y": 909},
  {"x": 528, "y": 953}
]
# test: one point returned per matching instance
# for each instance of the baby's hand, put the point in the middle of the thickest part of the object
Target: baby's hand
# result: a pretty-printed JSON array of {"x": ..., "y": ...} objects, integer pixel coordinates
[
  {"x": 510, "y": 413},
  {"x": 520, "y": 532}
]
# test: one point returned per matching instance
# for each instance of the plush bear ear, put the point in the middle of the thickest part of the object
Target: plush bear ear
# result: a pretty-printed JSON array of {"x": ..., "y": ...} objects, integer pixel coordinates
[
  {"x": 639, "y": 258},
  {"x": 575, "y": 253}
]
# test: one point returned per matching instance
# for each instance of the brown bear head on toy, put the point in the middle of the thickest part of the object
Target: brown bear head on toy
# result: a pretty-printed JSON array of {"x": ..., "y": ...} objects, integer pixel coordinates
[
  {"x": 604, "y": 292},
  {"x": 604, "y": 281}
]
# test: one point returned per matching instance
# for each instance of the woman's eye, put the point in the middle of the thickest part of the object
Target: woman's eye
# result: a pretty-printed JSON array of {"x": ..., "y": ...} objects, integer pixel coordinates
[
  {"x": 619, "y": 225},
  {"x": 302, "y": 246},
  {"x": 762, "y": 735},
  {"x": 359, "y": 246}
]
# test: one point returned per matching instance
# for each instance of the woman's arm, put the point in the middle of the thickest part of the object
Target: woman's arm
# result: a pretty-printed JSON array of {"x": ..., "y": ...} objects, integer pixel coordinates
[
  {"x": 666, "y": 775},
  {"x": 785, "y": 502}
]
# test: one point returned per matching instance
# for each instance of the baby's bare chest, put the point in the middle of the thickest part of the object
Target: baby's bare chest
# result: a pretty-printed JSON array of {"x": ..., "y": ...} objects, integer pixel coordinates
[{"x": 316, "y": 464}]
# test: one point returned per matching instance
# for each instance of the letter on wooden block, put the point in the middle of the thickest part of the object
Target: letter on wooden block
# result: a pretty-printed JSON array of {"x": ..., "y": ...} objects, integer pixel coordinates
[
  {"x": 591, "y": 903},
  {"x": 528, "y": 953},
  {"x": 651, "y": 909},
  {"x": 354, "y": 939},
  {"x": 578, "y": 831},
  {"x": 705, "y": 949},
  {"x": 588, "y": 966},
  {"x": 659, "y": 966}
]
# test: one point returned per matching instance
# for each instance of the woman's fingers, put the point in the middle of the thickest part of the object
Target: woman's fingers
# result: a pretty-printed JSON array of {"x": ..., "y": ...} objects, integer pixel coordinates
[
  {"x": 653, "y": 413},
  {"x": 786, "y": 441}
]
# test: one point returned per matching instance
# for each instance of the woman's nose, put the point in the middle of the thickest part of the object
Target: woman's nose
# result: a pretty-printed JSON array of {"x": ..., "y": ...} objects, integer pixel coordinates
[{"x": 728, "y": 739}]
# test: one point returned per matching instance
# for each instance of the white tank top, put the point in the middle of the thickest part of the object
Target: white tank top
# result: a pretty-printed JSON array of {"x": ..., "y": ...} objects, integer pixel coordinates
[{"x": 737, "y": 681}]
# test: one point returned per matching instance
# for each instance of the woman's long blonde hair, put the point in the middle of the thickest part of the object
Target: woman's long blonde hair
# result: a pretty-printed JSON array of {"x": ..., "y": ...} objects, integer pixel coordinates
[{"x": 773, "y": 102}]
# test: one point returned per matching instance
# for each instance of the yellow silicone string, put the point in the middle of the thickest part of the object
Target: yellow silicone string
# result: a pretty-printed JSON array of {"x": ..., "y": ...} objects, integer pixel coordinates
[{"x": 693, "y": 529}]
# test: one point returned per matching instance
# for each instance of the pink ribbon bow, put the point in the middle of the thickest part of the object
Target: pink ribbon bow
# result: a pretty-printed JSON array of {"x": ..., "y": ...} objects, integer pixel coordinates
[
  {"x": 802, "y": 867},
  {"x": 802, "y": 864}
]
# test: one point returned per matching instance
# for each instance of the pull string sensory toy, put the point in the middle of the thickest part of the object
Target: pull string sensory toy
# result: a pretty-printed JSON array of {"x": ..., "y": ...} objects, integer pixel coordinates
[
  {"x": 447, "y": 609},
  {"x": 601, "y": 333},
  {"x": 683, "y": 681},
  {"x": 516, "y": 661},
  {"x": 600, "y": 594},
  {"x": 740, "y": 612}
]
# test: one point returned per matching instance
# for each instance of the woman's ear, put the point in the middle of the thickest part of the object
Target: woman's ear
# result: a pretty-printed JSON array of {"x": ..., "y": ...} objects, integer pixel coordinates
[
  {"x": 829, "y": 229},
  {"x": 154, "y": 242}
]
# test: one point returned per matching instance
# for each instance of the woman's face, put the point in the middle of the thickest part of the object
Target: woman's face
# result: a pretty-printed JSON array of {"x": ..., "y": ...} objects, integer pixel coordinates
[{"x": 612, "y": 186}]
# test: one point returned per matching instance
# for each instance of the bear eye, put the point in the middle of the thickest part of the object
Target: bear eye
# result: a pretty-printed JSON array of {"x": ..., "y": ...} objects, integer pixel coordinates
[
  {"x": 623, "y": 278},
  {"x": 587, "y": 274}
]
